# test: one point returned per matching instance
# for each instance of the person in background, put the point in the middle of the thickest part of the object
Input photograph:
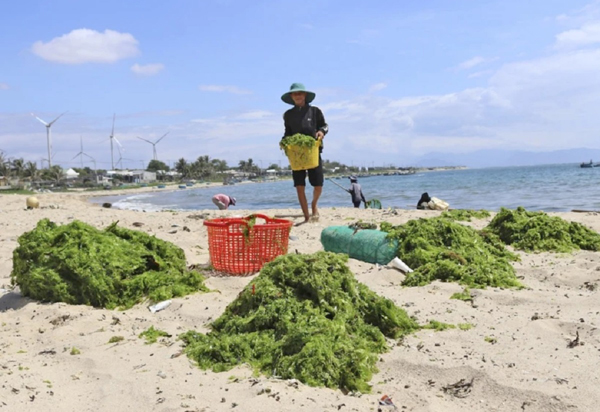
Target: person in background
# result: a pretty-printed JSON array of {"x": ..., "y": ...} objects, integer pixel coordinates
[
  {"x": 309, "y": 120},
  {"x": 223, "y": 201},
  {"x": 356, "y": 192}
]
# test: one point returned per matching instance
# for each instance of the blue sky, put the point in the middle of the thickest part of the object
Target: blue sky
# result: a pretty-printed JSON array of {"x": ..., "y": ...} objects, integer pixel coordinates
[{"x": 395, "y": 79}]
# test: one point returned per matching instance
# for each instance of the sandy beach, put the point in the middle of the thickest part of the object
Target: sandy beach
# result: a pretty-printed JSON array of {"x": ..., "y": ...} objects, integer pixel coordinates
[{"x": 522, "y": 353}]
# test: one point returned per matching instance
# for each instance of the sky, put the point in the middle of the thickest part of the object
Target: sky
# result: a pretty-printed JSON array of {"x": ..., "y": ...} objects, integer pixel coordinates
[{"x": 395, "y": 79}]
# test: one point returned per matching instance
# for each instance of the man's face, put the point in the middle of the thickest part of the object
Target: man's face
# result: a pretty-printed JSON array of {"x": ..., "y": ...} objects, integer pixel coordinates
[{"x": 299, "y": 98}]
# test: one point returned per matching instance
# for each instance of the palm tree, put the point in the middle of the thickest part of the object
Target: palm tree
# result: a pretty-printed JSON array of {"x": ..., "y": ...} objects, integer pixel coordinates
[
  {"x": 32, "y": 171},
  {"x": 56, "y": 173},
  {"x": 181, "y": 165},
  {"x": 18, "y": 167},
  {"x": 4, "y": 165}
]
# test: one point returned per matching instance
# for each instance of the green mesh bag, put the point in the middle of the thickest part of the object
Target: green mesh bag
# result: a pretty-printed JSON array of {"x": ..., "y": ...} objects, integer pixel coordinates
[{"x": 368, "y": 245}]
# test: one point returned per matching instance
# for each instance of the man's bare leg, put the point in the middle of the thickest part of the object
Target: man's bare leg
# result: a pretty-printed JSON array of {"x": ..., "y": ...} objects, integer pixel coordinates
[
  {"x": 303, "y": 202},
  {"x": 316, "y": 195}
]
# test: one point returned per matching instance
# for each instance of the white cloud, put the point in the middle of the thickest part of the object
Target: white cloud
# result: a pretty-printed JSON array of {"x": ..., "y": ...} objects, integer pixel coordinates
[
  {"x": 587, "y": 35},
  {"x": 4, "y": 86},
  {"x": 87, "y": 46},
  {"x": 223, "y": 89},
  {"x": 148, "y": 69},
  {"x": 471, "y": 62},
  {"x": 377, "y": 86}
]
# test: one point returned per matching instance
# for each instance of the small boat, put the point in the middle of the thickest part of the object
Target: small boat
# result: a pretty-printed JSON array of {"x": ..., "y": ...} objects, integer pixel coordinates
[
  {"x": 586, "y": 165},
  {"x": 182, "y": 186},
  {"x": 161, "y": 186}
]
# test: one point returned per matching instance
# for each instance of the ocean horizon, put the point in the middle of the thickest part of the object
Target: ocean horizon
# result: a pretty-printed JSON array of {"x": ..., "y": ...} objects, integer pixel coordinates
[{"x": 549, "y": 188}]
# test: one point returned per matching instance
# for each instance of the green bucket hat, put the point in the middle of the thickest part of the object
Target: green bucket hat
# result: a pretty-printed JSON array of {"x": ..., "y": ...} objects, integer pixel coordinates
[{"x": 297, "y": 87}]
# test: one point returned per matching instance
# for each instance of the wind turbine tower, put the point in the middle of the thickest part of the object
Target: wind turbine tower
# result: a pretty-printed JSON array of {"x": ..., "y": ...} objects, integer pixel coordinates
[
  {"x": 48, "y": 136},
  {"x": 112, "y": 137},
  {"x": 154, "y": 144}
]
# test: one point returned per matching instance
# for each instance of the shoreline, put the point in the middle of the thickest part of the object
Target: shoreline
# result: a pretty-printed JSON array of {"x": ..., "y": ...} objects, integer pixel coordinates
[{"x": 529, "y": 362}]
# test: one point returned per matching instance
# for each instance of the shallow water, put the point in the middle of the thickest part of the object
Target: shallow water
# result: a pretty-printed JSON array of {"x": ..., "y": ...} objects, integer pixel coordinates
[{"x": 551, "y": 188}]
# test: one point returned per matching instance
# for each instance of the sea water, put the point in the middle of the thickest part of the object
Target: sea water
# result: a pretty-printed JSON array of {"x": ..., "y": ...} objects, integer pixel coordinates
[{"x": 551, "y": 188}]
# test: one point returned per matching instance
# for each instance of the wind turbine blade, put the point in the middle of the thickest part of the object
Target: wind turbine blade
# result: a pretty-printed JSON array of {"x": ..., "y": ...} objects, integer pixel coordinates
[
  {"x": 161, "y": 137},
  {"x": 113, "y": 128},
  {"x": 43, "y": 122},
  {"x": 119, "y": 143},
  {"x": 144, "y": 140},
  {"x": 52, "y": 122},
  {"x": 85, "y": 154},
  {"x": 77, "y": 155}
]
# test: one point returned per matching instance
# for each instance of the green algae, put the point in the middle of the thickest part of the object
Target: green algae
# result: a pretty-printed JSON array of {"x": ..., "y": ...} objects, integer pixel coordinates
[
  {"x": 465, "y": 295},
  {"x": 465, "y": 214},
  {"x": 151, "y": 335},
  {"x": 115, "y": 267},
  {"x": 297, "y": 139},
  {"x": 304, "y": 317},
  {"x": 537, "y": 232},
  {"x": 439, "y": 248},
  {"x": 438, "y": 326}
]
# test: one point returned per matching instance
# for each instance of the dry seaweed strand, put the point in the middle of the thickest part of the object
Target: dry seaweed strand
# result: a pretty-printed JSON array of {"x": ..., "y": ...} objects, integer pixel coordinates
[
  {"x": 304, "y": 317},
  {"x": 115, "y": 267}
]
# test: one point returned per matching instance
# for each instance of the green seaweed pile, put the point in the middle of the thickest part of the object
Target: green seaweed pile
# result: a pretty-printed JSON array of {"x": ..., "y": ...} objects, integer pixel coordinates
[
  {"x": 115, "y": 267},
  {"x": 304, "y": 317},
  {"x": 465, "y": 215},
  {"x": 297, "y": 139},
  {"x": 439, "y": 248},
  {"x": 537, "y": 231}
]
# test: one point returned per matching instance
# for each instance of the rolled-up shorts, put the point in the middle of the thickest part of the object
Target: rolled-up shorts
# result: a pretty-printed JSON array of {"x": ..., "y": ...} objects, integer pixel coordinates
[{"x": 315, "y": 176}]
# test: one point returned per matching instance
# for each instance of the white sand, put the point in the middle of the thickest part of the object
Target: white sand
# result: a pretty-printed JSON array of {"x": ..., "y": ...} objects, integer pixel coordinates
[{"x": 529, "y": 368}]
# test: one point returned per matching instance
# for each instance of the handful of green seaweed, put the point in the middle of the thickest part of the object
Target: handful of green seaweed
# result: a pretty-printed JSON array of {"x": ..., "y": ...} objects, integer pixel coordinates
[
  {"x": 115, "y": 267},
  {"x": 297, "y": 139},
  {"x": 303, "y": 317},
  {"x": 438, "y": 248},
  {"x": 537, "y": 231}
]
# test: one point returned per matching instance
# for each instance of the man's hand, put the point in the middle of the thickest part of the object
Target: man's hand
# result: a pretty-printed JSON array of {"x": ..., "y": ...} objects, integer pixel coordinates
[{"x": 320, "y": 135}]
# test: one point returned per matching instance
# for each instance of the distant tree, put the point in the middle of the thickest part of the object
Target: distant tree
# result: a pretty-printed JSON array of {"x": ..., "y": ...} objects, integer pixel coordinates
[
  {"x": 219, "y": 165},
  {"x": 5, "y": 169},
  {"x": 31, "y": 171},
  {"x": 18, "y": 167},
  {"x": 55, "y": 173},
  {"x": 181, "y": 165},
  {"x": 274, "y": 166},
  {"x": 156, "y": 165}
]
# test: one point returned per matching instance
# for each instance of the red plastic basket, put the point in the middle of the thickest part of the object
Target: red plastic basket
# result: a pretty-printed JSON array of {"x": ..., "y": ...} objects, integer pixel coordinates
[{"x": 238, "y": 248}]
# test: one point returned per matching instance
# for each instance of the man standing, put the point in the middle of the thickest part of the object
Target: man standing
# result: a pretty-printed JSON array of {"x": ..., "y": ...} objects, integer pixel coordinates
[
  {"x": 356, "y": 192},
  {"x": 308, "y": 120}
]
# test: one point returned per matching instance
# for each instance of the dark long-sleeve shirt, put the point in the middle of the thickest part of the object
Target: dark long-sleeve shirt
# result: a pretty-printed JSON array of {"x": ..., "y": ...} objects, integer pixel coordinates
[
  {"x": 356, "y": 192},
  {"x": 307, "y": 120}
]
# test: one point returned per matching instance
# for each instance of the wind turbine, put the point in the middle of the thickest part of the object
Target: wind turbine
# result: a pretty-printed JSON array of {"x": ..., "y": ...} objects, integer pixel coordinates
[
  {"x": 81, "y": 152},
  {"x": 154, "y": 144},
  {"x": 48, "y": 138},
  {"x": 112, "y": 137}
]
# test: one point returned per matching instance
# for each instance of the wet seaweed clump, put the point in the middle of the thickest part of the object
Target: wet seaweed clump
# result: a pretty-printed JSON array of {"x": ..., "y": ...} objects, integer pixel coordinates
[
  {"x": 465, "y": 215},
  {"x": 439, "y": 248},
  {"x": 304, "y": 317},
  {"x": 111, "y": 268},
  {"x": 538, "y": 232}
]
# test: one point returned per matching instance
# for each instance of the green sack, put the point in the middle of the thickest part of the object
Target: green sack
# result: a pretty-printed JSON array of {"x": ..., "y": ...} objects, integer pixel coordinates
[{"x": 367, "y": 245}]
